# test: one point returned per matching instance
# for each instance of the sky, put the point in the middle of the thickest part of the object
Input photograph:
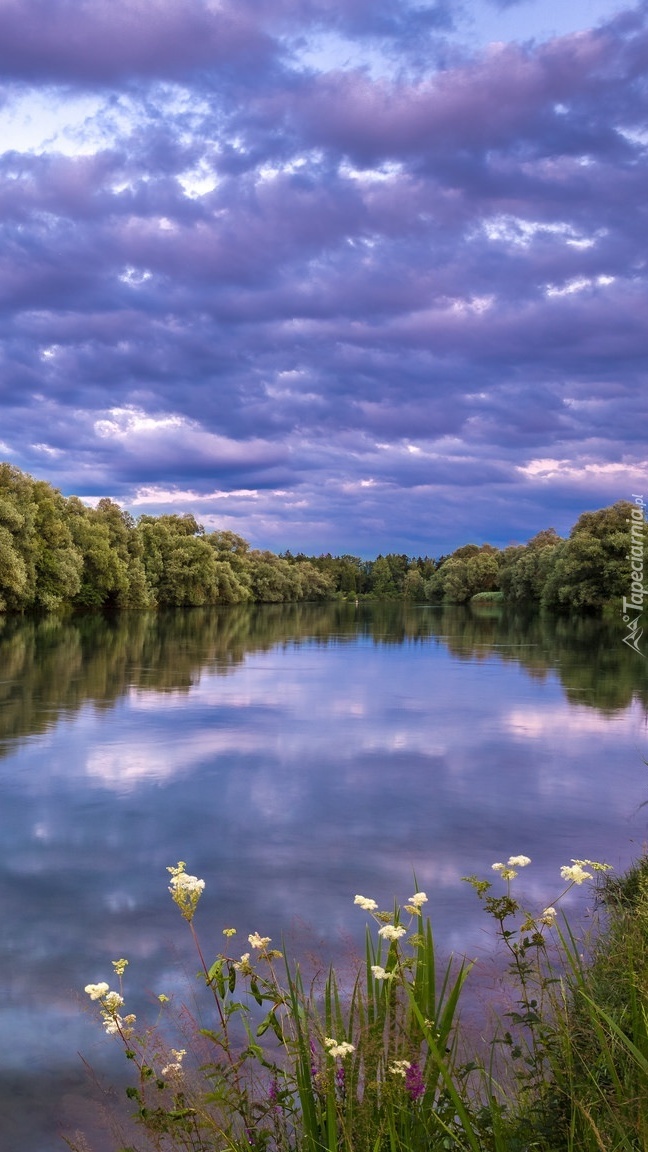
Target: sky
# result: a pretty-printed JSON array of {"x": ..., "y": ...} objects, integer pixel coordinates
[{"x": 339, "y": 275}]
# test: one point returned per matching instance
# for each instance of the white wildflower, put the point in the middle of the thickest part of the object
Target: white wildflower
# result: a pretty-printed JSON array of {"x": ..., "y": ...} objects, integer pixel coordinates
[
  {"x": 112, "y": 1001},
  {"x": 365, "y": 903},
  {"x": 174, "y": 1069},
  {"x": 381, "y": 973},
  {"x": 338, "y": 1049},
  {"x": 518, "y": 861},
  {"x": 595, "y": 864},
  {"x": 575, "y": 874},
  {"x": 392, "y": 932},
  {"x": 258, "y": 941},
  {"x": 96, "y": 991},
  {"x": 186, "y": 890},
  {"x": 548, "y": 916},
  {"x": 418, "y": 899},
  {"x": 399, "y": 1067},
  {"x": 189, "y": 884}
]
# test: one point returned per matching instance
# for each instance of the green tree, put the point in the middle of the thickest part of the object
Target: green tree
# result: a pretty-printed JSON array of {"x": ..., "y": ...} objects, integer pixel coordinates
[
  {"x": 398, "y": 566},
  {"x": 39, "y": 565},
  {"x": 181, "y": 565},
  {"x": 592, "y": 568},
  {"x": 126, "y": 543},
  {"x": 469, "y": 570},
  {"x": 104, "y": 576},
  {"x": 14, "y": 590},
  {"x": 273, "y": 580},
  {"x": 58, "y": 562},
  {"x": 232, "y": 567},
  {"x": 228, "y": 544},
  {"x": 190, "y": 576},
  {"x": 314, "y": 585},
  {"x": 383, "y": 586},
  {"x": 414, "y": 585},
  {"x": 526, "y": 569},
  {"x": 18, "y": 539}
]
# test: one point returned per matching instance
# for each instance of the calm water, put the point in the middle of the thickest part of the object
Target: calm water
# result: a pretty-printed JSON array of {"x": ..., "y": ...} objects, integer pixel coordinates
[{"x": 293, "y": 756}]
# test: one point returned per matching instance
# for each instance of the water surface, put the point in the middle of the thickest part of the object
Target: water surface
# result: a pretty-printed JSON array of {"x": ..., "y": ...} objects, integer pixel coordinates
[{"x": 293, "y": 756}]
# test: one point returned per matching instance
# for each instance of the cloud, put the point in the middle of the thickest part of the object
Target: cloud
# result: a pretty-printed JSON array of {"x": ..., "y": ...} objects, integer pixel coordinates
[
  {"x": 96, "y": 42},
  {"x": 372, "y": 297}
]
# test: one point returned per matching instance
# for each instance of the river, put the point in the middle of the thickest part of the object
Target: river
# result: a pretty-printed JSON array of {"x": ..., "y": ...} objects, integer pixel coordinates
[{"x": 293, "y": 756}]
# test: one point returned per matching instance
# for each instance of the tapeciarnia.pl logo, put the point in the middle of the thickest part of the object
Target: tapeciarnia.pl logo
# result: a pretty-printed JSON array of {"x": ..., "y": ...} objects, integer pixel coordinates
[{"x": 632, "y": 607}]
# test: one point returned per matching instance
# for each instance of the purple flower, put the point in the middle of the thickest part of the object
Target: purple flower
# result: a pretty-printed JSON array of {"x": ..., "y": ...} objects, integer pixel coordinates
[
  {"x": 273, "y": 1095},
  {"x": 414, "y": 1082}
]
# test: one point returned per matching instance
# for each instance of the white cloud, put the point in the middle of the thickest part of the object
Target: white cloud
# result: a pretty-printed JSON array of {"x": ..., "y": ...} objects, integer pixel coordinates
[
  {"x": 550, "y": 469},
  {"x": 578, "y": 284},
  {"x": 155, "y": 495},
  {"x": 124, "y": 423}
]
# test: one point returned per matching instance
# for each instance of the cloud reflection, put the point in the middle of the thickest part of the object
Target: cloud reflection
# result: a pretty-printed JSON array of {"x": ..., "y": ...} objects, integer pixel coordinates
[{"x": 291, "y": 775}]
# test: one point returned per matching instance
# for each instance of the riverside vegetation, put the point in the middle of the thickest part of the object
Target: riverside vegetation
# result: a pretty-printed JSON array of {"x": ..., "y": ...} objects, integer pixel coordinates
[
  {"x": 57, "y": 552},
  {"x": 296, "y": 1062}
]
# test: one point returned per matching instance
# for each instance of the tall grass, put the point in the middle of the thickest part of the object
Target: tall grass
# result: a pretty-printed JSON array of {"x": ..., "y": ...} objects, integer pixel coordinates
[
  {"x": 294, "y": 1063},
  {"x": 600, "y": 1057}
]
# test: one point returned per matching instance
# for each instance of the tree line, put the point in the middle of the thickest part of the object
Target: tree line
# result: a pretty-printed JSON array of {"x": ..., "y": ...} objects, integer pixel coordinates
[
  {"x": 595, "y": 566},
  {"x": 56, "y": 552}
]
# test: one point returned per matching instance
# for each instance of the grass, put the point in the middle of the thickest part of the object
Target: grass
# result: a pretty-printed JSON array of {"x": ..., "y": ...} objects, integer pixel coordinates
[{"x": 295, "y": 1063}]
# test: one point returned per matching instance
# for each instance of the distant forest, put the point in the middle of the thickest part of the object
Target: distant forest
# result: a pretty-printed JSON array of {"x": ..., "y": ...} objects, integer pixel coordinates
[{"x": 57, "y": 552}]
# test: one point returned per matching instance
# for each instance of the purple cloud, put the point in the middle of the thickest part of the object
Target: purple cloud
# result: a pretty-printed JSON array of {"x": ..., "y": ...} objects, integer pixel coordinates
[
  {"x": 378, "y": 304},
  {"x": 103, "y": 41}
]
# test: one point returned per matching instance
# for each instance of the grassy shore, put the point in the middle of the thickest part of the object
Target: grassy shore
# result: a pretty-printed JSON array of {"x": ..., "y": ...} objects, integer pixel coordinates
[{"x": 290, "y": 1061}]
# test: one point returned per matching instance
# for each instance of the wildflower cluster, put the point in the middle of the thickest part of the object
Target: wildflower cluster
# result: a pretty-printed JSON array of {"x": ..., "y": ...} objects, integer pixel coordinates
[
  {"x": 174, "y": 1070},
  {"x": 508, "y": 871},
  {"x": 258, "y": 941},
  {"x": 186, "y": 890},
  {"x": 575, "y": 873},
  {"x": 389, "y": 930},
  {"x": 110, "y": 1003},
  {"x": 380, "y": 973},
  {"x": 380, "y": 1062},
  {"x": 548, "y": 917},
  {"x": 503, "y": 907},
  {"x": 399, "y": 1067},
  {"x": 367, "y": 904},
  {"x": 530, "y": 966},
  {"x": 338, "y": 1048},
  {"x": 392, "y": 931},
  {"x": 261, "y": 944},
  {"x": 243, "y": 965}
]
